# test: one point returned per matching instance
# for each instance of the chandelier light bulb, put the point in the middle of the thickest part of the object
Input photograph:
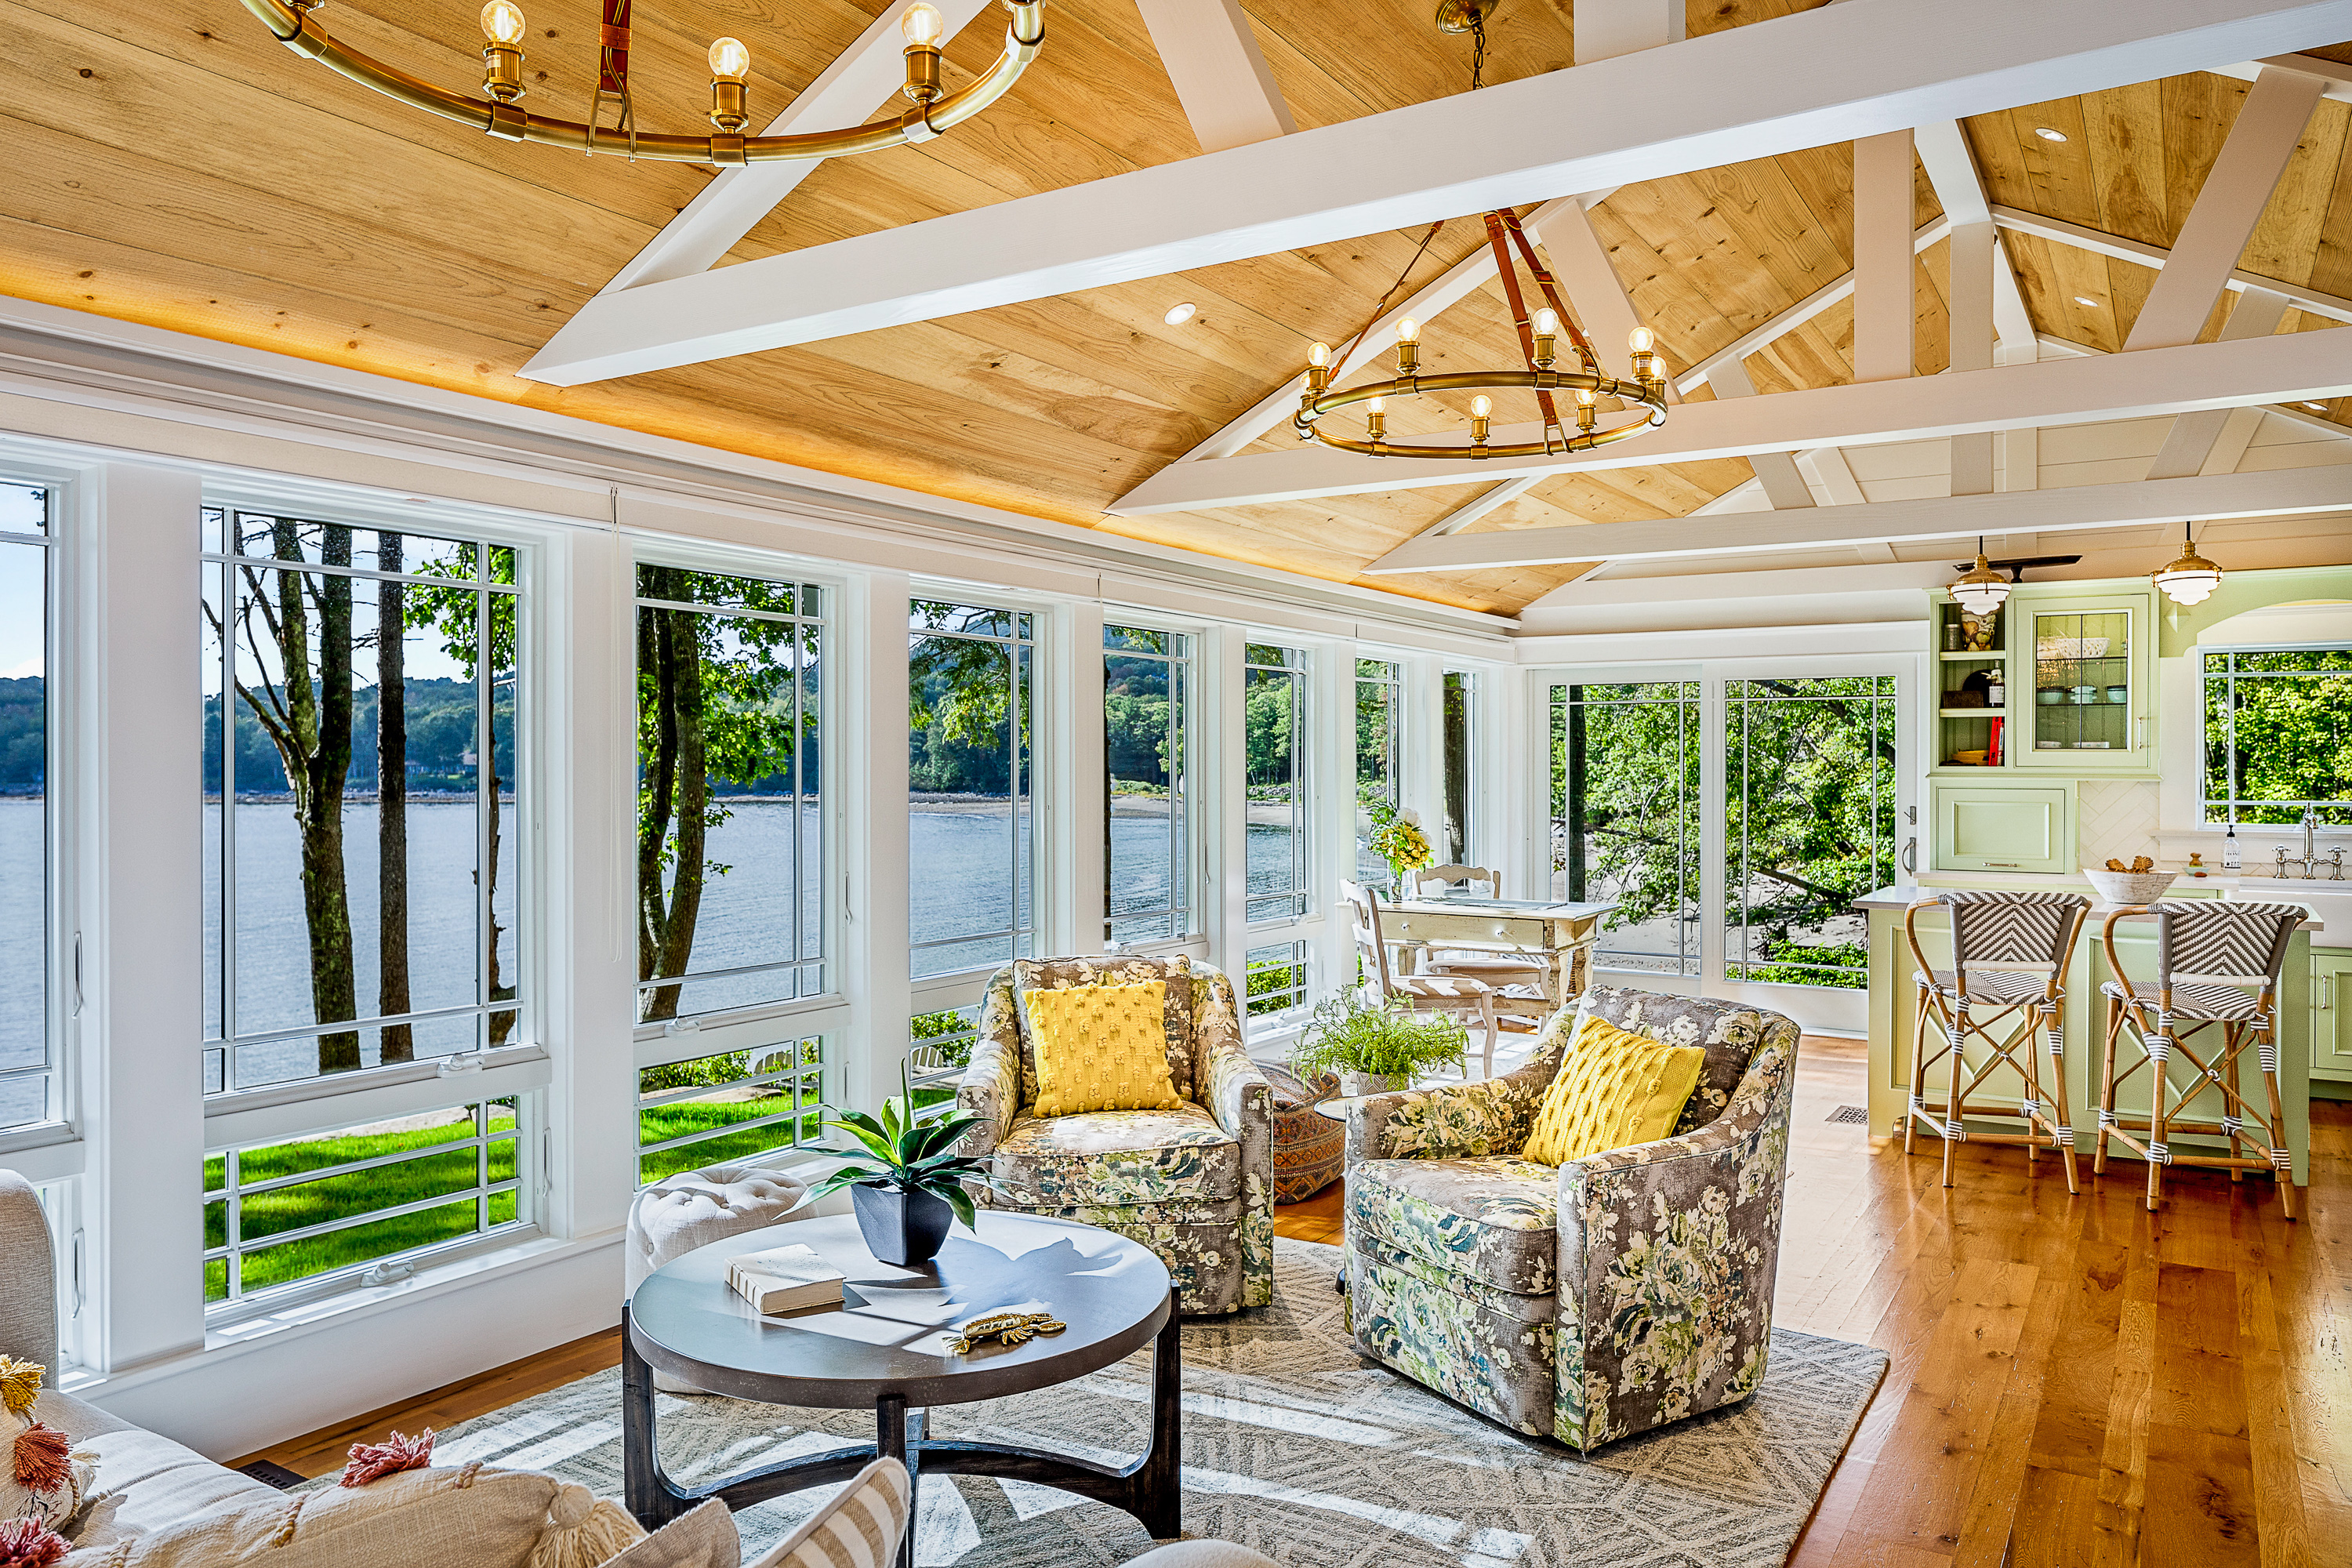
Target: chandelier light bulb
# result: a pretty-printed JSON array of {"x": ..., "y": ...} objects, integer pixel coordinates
[
  {"x": 1642, "y": 340},
  {"x": 502, "y": 23},
  {"x": 730, "y": 60},
  {"x": 1481, "y": 407},
  {"x": 1377, "y": 405},
  {"x": 1319, "y": 355},
  {"x": 922, "y": 26},
  {"x": 1408, "y": 331},
  {"x": 1586, "y": 398},
  {"x": 1546, "y": 322}
]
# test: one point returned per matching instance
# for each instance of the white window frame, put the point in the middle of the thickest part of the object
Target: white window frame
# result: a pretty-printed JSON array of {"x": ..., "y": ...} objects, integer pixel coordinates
[
  {"x": 2205, "y": 802},
  {"x": 1188, "y": 897},
  {"x": 61, "y": 940}
]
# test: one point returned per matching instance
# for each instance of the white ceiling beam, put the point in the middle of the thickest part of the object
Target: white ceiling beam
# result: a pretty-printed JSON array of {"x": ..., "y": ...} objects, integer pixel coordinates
[
  {"x": 1471, "y": 511},
  {"x": 1607, "y": 28},
  {"x": 2068, "y": 391},
  {"x": 1219, "y": 72},
  {"x": 1595, "y": 293},
  {"x": 1775, "y": 472},
  {"x": 1885, "y": 297},
  {"x": 1757, "y": 338},
  {"x": 871, "y": 71},
  {"x": 1727, "y": 97},
  {"x": 2335, "y": 307},
  {"x": 2277, "y": 493},
  {"x": 2194, "y": 435},
  {"x": 2335, "y": 77},
  {"x": 2228, "y": 205}
]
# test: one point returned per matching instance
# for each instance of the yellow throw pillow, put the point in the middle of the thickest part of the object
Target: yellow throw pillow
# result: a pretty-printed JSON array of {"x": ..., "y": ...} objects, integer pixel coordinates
[
  {"x": 1615, "y": 1090},
  {"x": 1101, "y": 1048}
]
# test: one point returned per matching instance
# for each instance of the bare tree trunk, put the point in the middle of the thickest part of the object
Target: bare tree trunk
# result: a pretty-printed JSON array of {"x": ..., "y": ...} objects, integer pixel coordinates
[
  {"x": 318, "y": 759},
  {"x": 678, "y": 797},
  {"x": 391, "y": 804}
]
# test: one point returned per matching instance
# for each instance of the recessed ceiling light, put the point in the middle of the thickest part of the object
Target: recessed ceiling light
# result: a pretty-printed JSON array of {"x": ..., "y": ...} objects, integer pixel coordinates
[
  {"x": 2086, "y": 301},
  {"x": 1179, "y": 314},
  {"x": 2048, "y": 134},
  {"x": 2317, "y": 407}
]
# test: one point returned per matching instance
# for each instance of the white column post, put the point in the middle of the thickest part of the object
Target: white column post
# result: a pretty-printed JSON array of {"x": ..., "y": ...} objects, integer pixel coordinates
[
  {"x": 1224, "y": 802},
  {"x": 1607, "y": 28},
  {"x": 1885, "y": 303},
  {"x": 140, "y": 775},
  {"x": 1421, "y": 756},
  {"x": 585, "y": 652},
  {"x": 1331, "y": 775},
  {"x": 867, "y": 796},
  {"x": 1081, "y": 863}
]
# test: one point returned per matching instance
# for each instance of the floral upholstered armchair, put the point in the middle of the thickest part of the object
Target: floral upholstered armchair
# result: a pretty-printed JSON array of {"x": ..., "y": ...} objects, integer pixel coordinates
[
  {"x": 1195, "y": 1184},
  {"x": 1599, "y": 1299}
]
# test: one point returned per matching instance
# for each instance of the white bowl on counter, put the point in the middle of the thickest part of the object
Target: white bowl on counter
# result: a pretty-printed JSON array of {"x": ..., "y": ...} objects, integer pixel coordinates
[{"x": 2129, "y": 887}]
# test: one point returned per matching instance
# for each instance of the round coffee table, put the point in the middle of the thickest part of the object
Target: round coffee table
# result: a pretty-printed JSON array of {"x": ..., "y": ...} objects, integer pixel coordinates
[{"x": 883, "y": 1347}]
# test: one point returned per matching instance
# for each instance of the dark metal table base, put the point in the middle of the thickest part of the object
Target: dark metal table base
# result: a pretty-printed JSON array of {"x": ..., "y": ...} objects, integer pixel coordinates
[{"x": 1148, "y": 1489}]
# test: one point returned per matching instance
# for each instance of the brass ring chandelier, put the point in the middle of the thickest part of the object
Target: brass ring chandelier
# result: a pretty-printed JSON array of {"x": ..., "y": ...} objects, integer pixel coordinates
[
  {"x": 295, "y": 24},
  {"x": 1642, "y": 400}
]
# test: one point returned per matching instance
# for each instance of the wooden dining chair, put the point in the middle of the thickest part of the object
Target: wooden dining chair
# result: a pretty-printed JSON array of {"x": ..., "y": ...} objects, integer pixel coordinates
[
  {"x": 1458, "y": 995},
  {"x": 1523, "y": 980}
]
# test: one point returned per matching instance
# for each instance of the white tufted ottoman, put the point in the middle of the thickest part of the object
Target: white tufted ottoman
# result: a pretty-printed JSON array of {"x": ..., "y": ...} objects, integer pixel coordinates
[{"x": 695, "y": 1208}]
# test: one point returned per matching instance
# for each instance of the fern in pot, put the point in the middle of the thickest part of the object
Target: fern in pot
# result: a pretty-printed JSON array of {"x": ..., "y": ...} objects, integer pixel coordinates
[
  {"x": 907, "y": 1197},
  {"x": 1376, "y": 1047}
]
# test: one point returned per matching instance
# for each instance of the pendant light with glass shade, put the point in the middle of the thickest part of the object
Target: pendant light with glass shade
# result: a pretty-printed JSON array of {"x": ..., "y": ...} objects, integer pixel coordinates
[
  {"x": 2190, "y": 578},
  {"x": 1981, "y": 590}
]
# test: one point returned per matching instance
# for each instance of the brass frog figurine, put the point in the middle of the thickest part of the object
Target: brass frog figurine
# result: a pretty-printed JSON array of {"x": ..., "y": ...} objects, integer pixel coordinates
[{"x": 1007, "y": 1328}]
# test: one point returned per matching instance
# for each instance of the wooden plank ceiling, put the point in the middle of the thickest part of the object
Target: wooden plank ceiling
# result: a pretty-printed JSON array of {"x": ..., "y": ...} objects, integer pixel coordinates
[{"x": 173, "y": 165}]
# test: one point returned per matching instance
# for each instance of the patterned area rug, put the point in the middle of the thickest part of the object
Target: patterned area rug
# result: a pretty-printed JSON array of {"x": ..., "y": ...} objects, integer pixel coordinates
[{"x": 1293, "y": 1444}]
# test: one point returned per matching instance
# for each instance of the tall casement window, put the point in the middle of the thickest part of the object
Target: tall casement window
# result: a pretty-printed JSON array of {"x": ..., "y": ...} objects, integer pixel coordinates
[
  {"x": 2278, "y": 735},
  {"x": 27, "y": 1078},
  {"x": 1809, "y": 825},
  {"x": 1274, "y": 738},
  {"x": 1461, "y": 702},
  {"x": 1626, "y": 817},
  {"x": 363, "y": 854},
  {"x": 1147, "y": 784},
  {"x": 973, "y": 845},
  {"x": 731, "y": 839},
  {"x": 1380, "y": 729},
  {"x": 361, "y": 842}
]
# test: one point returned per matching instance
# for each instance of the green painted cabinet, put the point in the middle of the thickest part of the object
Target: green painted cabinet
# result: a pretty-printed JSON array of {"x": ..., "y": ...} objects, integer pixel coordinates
[
  {"x": 2086, "y": 669},
  {"x": 2331, "y": 1017},
  {"x": 2003, "y": 825}
]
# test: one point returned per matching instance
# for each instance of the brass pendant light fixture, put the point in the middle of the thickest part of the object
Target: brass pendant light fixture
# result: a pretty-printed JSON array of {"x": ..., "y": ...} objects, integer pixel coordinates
[
  {"x": 297, "y": 25},
  {"x": 2190, "y": 578},
  {"x": 1981, "y": 590},
  {"x": 1639, "y": 403}
]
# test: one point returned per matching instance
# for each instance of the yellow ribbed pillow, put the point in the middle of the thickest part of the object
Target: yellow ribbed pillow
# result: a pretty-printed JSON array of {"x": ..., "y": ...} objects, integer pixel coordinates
[
  {"x": 1101, "y": 1048},
  {"x": 1616, "y": 1089}
]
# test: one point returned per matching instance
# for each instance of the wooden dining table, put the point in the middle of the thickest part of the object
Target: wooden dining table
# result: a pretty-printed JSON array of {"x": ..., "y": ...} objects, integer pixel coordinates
[{"x": 1557, "y": 936}]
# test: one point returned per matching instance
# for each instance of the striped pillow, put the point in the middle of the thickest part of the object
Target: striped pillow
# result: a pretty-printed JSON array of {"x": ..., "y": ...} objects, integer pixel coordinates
[{"x": 860, "y": 1528}]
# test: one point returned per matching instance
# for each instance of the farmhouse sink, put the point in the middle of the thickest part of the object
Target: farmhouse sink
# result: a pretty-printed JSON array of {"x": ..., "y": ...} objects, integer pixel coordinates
[{"x": 2330, "y": 904}]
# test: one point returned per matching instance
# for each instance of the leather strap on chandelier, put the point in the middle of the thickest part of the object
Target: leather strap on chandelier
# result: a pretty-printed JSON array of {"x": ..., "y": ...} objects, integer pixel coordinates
[{"x": 295, "y": 24}]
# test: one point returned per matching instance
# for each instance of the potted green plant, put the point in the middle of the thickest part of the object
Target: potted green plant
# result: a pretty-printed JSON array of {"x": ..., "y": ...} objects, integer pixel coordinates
[
  {"x": 914, "y": 1189},
  {"x": 1377, "y": 1047}
]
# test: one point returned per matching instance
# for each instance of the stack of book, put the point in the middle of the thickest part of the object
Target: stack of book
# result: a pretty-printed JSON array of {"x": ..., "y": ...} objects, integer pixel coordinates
[{"x": 784, "y": 1279}]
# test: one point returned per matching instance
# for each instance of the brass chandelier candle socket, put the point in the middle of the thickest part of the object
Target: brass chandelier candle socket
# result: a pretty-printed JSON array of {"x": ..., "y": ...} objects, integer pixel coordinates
[{"x": 295, "y": 24}]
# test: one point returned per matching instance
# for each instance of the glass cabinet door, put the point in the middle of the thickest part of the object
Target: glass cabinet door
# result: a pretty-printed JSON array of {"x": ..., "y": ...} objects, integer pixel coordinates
[{"x": 2085, "y": 689}]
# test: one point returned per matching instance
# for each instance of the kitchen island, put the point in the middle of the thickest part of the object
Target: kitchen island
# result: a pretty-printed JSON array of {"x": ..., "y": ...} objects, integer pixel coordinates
[{"x": 1893, "y": 1009}]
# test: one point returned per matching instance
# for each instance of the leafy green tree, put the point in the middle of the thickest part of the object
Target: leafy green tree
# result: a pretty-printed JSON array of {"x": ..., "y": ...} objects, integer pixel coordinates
[
  {"x": 2288, "y": 739},
  {"x": 715, "y": 700}
]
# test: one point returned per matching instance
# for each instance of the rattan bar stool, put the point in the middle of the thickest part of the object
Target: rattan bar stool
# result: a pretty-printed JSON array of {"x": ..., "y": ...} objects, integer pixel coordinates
[
  {"x": 2009, "y": 952},
  {"x": 2217, "y": 967}
]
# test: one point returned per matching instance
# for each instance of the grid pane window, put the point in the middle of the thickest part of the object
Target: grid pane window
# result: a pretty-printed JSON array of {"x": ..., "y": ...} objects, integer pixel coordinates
[
  {"x": 1809, "y": 810},
  {"x": 1625, "y": 817},
  {"x": 1146, "y": 782},
  {"x": 971, "y": 839},
  {"x": 2278, "y": 735},
  {"x": 1461, "y": 706},
  {"x": 27, "y": 1088},
  {"x": 939, "y": 1049},
  {"x": 278, "y": 1214},
  {"x": 728, "y": 1108},
  {"x": 1379, "y": 730},
  {"x": 1276, "y": 979},
  {"x": 361, "y": 842},
  {"x": 1274, "y": 738},
  {"x": 730, "y": 841}
]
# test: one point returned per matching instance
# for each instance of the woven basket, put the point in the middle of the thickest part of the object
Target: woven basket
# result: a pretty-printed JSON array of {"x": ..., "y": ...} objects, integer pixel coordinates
[{"x": 2129, "y": 887}]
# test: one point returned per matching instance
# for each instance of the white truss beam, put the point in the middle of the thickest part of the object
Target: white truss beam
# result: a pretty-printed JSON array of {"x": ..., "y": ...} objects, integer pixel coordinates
[
  {"x": 1757, "y": 338},
  {"x": 1775, "y": 472},
  {"x": 2318, "y": 303},
  {"x": 871, "y": 71},
  {"x": 2277, "y": 493},
  {"x": 2228, "y": 207},
  {"x": 2194, "y": 435},
  {"x": 2336, "y": 77},
  {"x": 1607, "y": 28},
  {"x": 1746, "y": 93},
  {"x": 1219, "y": 72},
  {"x": 1886, "y": 313},
  {"x": 2296, "y": 366}
]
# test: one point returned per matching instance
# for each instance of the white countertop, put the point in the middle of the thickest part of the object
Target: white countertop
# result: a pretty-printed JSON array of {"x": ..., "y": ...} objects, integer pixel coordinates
[{"x": 1903, "y": 895}]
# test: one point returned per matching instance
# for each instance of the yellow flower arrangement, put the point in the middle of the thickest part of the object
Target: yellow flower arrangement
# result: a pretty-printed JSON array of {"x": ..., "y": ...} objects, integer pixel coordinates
[{"x": 1401, "y": 842}]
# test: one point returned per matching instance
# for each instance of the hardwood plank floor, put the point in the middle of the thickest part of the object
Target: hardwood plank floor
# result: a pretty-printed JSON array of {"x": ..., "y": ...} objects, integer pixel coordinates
[{"x": 2074, "y": 1381}]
